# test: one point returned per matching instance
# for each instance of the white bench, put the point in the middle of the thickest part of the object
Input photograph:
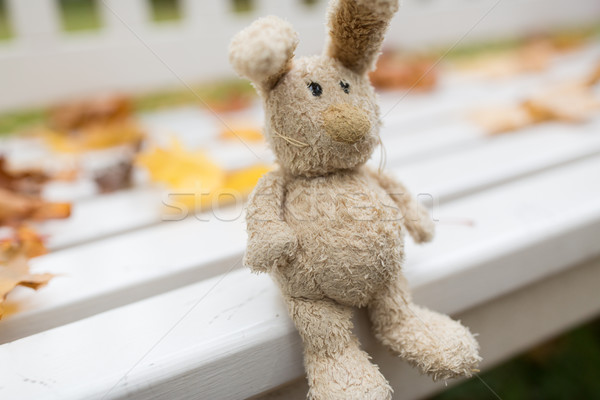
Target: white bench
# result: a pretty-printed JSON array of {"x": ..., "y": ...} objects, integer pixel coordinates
[
  {"x": 42, "y": 64},
  {"x": 144, "y": 308}
]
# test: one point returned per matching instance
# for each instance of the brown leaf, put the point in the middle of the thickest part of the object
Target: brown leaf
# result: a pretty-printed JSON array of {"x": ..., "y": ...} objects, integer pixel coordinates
[
  {"x": 124, "y": 132},
  {"x": 594, "y": 77},
  {"x": 100, "y": 109},
  {"x": 16, "y": 207},
  {"x": 502, "y": 119},
  {"x": 26, "y": 182},
  {"x": 114, "y": 177},
  {"x": 397, "y": 72},
  {"x": 25, "y": 241},
  {"x": 568, "y": 103},
  {"x": 14, "y": 266}
]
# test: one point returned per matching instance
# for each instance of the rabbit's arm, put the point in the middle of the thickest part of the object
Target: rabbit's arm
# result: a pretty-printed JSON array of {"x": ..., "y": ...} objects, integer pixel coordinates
[
  {"x": 416, "y": 218},
  {"x": 271, "y": 242}
]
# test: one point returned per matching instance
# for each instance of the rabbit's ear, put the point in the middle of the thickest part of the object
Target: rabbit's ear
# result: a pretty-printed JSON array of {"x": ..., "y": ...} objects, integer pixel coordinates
[
  {"x": 356, "y": 31},
  {"x": 263, "y": 51}
]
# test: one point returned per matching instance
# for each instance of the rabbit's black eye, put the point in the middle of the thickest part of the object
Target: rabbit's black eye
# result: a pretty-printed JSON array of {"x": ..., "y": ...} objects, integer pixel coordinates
[
  {"x": 345, "y": 87},
  {"x": 315, "y": 89}
]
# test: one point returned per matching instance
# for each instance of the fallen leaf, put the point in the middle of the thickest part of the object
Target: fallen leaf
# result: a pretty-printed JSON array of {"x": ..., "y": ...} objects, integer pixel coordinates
[
  {"x": 594, "y": 76},
  {"x": 26, "y": 182},
  {"x": 569, "y": 103},
  {"x": 502, "y": 119},
  {"x": 96, "y": 137},
  {"x": 14, "y": 263},
  {"x": 24, "y": 240},
  {"x": 394, "y": 71},
  {"x": 193, "y": 179},
  {"x": 242, "y": 132},
  {"x": 97, "y": 110},
  {"x": 16, "y": 207},
  {"x": 114, "y": 177},
  {"x": 244, "y": 180},
  {"x": 181, "y": 169}
]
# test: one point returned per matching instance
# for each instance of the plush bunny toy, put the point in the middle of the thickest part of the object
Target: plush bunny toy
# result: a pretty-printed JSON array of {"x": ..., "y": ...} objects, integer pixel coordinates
[{"x": 329, "y": 230}]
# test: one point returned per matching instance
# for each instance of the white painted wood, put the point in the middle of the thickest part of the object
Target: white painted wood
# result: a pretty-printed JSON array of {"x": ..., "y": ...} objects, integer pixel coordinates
[
  {"x": 506, "y": 326},
  {"x": 86, "y": 64},
  {"x": 35, "y": 22},
  {"x": 197, "y": 339},
  {"x": 436, "y": 162},
  {"x": 417, "y": 130},
  {"x": 122, "y": 269},
  {"x": 120, "y": 17},
  {"x": 459, "y": 93}
]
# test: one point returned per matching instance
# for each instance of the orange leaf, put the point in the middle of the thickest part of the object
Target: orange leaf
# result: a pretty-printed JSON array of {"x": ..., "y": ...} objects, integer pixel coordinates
[{"x": 14, "y": 266}]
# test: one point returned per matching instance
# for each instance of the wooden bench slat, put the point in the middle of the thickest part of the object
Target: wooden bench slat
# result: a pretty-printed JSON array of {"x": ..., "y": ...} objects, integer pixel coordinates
[
  {"x": 207, "y": 331},
  {"x": 115, "y": 271}
]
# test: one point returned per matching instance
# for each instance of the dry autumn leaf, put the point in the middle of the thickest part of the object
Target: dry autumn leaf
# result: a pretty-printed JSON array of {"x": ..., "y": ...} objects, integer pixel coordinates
[
  {"x": 502, "y": 119},
  {"x": 594, "y": 77},
  {"x": 26, "y": 182},
  {"x": 93, "y": 111},
  {"x": 242, "y": 132},
  {"x": 114, "y": 177},
  {"x": 193, "y": 179},
  {"x": 244, "y": 180},
  {"x": 96, "y": 137},
  {"x": 181, "y": 169},
  {"x": 569, "y": 103},
  {"x": 14, "y": 263},
  {"x": 16, "y": 207},
  {"x": 396, "y": 72}
]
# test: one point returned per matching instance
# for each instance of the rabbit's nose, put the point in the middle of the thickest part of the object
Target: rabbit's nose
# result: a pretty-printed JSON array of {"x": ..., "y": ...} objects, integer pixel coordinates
[{"x": 345, "y": 123}]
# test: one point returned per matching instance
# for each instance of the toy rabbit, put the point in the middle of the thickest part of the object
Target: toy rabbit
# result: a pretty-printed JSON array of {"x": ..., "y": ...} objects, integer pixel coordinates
[{"x": 328, "y": 229}]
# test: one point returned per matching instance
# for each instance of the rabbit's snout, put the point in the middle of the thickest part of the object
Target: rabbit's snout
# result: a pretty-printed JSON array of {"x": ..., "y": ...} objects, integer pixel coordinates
[{"x": 345, "y": 123}]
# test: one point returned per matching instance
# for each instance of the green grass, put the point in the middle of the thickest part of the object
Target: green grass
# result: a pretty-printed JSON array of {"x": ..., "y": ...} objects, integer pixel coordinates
[
  {"x": 242, "y": 6},
  {"x": 14, "y": 122},
  {"x": 564, "y": 368},
  {"x": 165, "y": 10},
  {"x": 207, "y": 92},
  {"x": 80, "y": 15},
  {"x": 5, "y": 29},
  {"x": 310, "y": 2},
  {"x": 565, "y": 35}
]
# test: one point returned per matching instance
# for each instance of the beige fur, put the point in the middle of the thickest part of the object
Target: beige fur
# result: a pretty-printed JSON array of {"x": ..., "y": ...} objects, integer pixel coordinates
[{"x": 329, "y": 230}]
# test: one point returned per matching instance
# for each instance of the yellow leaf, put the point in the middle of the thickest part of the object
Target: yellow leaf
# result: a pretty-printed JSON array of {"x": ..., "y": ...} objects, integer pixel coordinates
[
  {"x": 244, "y": 180},
  {"x": 95, "y": 137},
  {"x": 14, "y": 266},
  {"x": 178, "y": 168},
  {"x": 245, "y": 133}
]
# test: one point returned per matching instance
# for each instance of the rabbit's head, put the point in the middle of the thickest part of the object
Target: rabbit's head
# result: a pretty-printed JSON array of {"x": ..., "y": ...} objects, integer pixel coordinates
[{"x": 321, "y": 112}]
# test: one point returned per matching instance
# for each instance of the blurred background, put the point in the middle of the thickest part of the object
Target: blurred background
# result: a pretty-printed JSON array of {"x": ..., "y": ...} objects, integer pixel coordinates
[{"x": 109, "y": 107}]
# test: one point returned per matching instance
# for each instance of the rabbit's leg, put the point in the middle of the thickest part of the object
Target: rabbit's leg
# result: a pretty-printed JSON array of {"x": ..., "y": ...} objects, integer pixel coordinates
[
  {"x": 438, "y": 345},
  {"x": 336, "y": 366}
]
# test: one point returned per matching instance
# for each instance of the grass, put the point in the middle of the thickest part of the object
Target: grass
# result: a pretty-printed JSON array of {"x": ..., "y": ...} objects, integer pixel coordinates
[
  {"x": 165, "y": 10},
  {"x": 562, "y": 37},
  {"x": 80, "y": 15},
  {"x": 564, "y": 368},
  {"x": 213, "y": 93},
  {"x": 5, "y": 29},
  {"x": 16, "y": 121},
  {"x": 243, "y": 6}
]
